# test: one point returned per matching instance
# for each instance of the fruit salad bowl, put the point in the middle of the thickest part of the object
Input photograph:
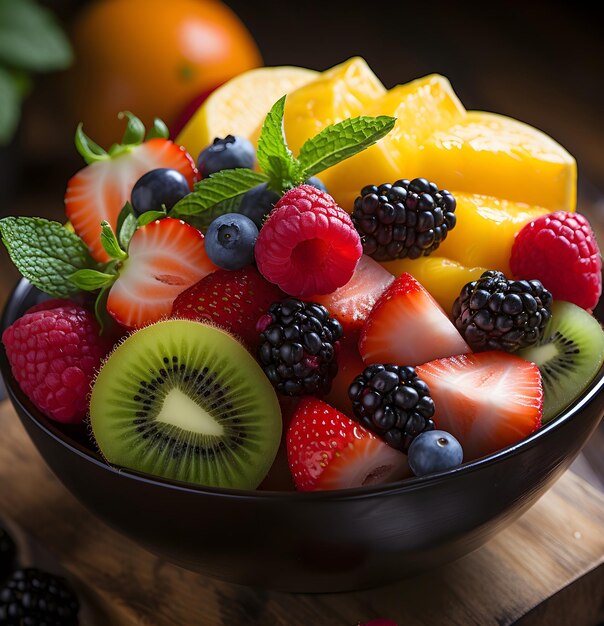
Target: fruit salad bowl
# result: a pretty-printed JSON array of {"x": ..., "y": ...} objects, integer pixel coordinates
[{"x": 310, "y": 542}]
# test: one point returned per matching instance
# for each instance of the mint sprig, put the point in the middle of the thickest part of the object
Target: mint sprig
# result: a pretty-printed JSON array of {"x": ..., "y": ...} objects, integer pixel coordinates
[{"x": 45, "y": 253}]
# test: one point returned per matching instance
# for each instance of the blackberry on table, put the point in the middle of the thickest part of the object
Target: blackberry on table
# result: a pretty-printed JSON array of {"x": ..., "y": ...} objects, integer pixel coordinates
[
  {"x": 405, "y": 219},
  {"x": 393, "y": 402},
  {"x": 31, "y": 597},
  {"x": 8, "y": 552},
  {"x": 494, "y": 313},
  {"x": 298, "y": 347}
]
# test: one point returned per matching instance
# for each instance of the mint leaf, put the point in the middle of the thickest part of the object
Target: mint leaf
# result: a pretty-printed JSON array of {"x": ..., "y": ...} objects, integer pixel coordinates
[
  {"x": 150, "y": 216},
  {"x": 31, "y": 38},
  {"x": 341, "y": 141},
  {"x": 216, "y": 195},
  {"x": 45, "y": 252},
  {"x": 274, "y": 157},
  {"x": 110, "y": 242},
  {"x": 91, "y": 280},
  {"x": 10, "y": 102}
]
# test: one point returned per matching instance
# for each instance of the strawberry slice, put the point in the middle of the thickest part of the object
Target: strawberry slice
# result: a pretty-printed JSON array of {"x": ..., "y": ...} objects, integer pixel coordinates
[
  {"x": 350, "y": 365},
  {"x": 487, "y": 400},
  {"x": 99, "y": 191},
  {"x": 408, "y": 327},
  {"x": 165, "y": 257},
  {"x": 352, "y": 303},
  {"x": 233, "y": 300},
  {"x": 327, "y": 450}
]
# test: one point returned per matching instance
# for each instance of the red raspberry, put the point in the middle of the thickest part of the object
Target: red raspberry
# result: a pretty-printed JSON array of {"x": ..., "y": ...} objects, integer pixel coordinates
[
  {"x": 560, "y": 250},
  {"x": 54, "y": 354},
  {"x": 308, "y": 245}
]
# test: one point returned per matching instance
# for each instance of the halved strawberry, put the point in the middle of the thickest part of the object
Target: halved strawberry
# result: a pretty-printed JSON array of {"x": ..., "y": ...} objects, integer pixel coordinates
[
  {"x": 408, "y": 327},
  {"x": 99, "y": 191},
  {"x": 165, "y": 257},
  {"x": 350, "y": 365},
  {"x": 327, "y": 450},
  {"x": 233, "y": 300},
  {"x": 352, "y": 303},
  {"x": 487, "y": 400}
]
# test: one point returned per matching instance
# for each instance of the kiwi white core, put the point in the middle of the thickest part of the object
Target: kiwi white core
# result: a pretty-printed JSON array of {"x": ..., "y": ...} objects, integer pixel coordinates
[{"x": 179, "y": 410}]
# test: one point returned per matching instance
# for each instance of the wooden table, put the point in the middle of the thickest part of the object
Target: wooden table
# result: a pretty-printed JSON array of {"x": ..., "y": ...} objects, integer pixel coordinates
[{"x": 547, "y": 568}]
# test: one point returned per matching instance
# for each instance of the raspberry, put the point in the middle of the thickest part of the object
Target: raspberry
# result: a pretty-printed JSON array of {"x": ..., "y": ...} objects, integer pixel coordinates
[
  {"x": 560, "y": 250},
  {"x": 308, "y": 246},
  {"x": 54, "y": 353}
]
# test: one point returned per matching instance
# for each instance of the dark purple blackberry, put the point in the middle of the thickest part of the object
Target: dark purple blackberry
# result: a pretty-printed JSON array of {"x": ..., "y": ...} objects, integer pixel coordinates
[
  {"x": 494, "y": 313},
  {"x": 298, "y": 345},
  {"x": 8, "y": 552},
  {"x": 393, "y": 402},
  {"x": 31, "y": 597},
  {"x": 406, "y": 219}
]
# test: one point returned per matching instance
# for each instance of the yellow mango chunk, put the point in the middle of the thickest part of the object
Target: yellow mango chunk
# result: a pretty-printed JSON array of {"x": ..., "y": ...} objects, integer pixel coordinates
[
  {"x": 421, "y": 107},
  {"x": 443, "y": 278},
  {"x": 485, "y": 230},
  {"x": 498, "y": 156},
  {"x": 343, "y": 91}
]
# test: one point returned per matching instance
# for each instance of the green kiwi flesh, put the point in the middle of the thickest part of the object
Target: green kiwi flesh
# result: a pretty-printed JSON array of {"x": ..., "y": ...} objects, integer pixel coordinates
[
  {"x": 569, "y": 356},
  {"x": 186, "y": 401}
]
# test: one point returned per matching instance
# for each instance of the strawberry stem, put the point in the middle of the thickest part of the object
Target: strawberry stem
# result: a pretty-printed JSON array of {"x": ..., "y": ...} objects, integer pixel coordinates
[
  {"x": 88, "y": 149},
  {"x": 135, "y": 129},
  {"x": 159, "y": 130}
]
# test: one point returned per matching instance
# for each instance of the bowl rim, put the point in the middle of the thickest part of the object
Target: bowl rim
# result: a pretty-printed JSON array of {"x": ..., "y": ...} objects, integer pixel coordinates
[{"x": 410, "y": 484}]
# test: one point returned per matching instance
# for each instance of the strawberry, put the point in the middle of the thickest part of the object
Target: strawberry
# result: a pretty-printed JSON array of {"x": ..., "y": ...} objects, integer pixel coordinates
[
  {"x": 408, "y": 327},
  {"x": 487, "y": 400},
  {"x": 99, "y": 191},
  {"x": 327, "y": 450},
  {"x": 351, "y": 304},
  {"x": 165, "y": 257},
  {"x": 350, "y": 365},
  {"x": 233, "y": 300}
]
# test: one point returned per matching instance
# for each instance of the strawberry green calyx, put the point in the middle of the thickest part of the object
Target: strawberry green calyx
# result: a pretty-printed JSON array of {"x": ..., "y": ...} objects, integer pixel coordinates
[{"x": 134, "y": 135}]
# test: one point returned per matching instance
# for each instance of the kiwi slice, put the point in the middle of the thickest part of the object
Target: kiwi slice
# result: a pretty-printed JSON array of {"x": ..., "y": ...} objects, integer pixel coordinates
[
  {"x": 569, "y": 356},
  {"x": 184, "y": 400}
]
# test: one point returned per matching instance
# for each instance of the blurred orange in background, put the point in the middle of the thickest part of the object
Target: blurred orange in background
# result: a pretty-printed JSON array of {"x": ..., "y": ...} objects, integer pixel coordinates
[{"x": 151, "y": 57}]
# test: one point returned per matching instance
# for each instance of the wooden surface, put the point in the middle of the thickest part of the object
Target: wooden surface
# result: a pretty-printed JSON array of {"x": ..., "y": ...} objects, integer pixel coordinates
[{"x": 547, "y": 568}]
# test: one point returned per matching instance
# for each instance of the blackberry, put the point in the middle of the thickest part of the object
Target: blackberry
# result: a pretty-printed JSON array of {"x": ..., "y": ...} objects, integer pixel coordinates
[
  {"x": 393, "y": 402},
  {"x": 8, "y": 552},
  {"x": 494, "y": 313},
  {"x": 298, "y": 347},
  {"x": 406, "y": 219},
  {"x": 34, "y": 598}
]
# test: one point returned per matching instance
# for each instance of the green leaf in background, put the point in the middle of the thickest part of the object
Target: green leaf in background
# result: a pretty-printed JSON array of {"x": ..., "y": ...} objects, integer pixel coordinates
[
  {"x": 274, "y": 157},
  {"x": 341, "y": 141},
  {"x": 10, "y": 102},
  {"x": 45, "y": 253},
  {"x": 110, "y": 242},
  {"x": 31, "y": 38},
  {"x": 217, "y": 189},
  {"x": 91, "y": 280}
]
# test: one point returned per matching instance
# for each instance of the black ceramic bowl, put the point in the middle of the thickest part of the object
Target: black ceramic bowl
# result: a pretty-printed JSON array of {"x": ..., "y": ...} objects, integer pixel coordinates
[{"x": 312, "y": 542}]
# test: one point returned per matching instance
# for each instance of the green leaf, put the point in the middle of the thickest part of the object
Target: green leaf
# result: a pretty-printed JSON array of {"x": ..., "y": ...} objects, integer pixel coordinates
[
  {"x": 91, "y": 280},
  {"x": 88, "y": 149},
  {"x": 121, "y": 218},
  {"x": 31, "y": 38},
  {"x": 10, "y": 106},
  {"x": 150, "y": 216},
  {"x": 45, "y": 252},
  {"x": 226, "y": 185},
  {"x": 341, "y": 141},
  {"x": 135, "y": 129},
  {"x": 159, "y": 130},
  {"x": 110, "y": 242},
  {"x": 274, "y": 157},
  {"x": 100, "y": 310}
]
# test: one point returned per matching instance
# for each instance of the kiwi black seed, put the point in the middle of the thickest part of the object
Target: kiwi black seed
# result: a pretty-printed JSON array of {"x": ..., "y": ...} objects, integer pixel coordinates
[
  {"x": 569, "y": 356},
  {"x": 184, "y": 400}
]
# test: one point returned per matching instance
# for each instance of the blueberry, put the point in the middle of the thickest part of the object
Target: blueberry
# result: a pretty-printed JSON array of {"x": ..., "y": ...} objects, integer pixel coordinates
[
  {"x": 158, "y": 189},
  {"x": 257, "y": 203},
  {"x": 230, "y": 241},
  {"x": 316, "y": 182},
  {"x": 434, "y": 451},
  {"x": 226, "y": 154}
]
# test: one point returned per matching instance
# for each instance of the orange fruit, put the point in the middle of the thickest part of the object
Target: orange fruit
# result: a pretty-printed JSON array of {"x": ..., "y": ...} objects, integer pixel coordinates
[{"x": 152, "y": 57}]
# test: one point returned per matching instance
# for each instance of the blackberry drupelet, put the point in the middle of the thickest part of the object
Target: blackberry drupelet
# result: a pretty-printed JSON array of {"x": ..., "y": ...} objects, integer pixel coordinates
[
  {"x": 393, "y": 402},
  {"x": 8, "y": 552},
  {"x": 34, "y": 598},
  {"x": 494, "y": 313},
  {"x": 405, "y": 219},
  {"x": 298, "y": 347}
]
